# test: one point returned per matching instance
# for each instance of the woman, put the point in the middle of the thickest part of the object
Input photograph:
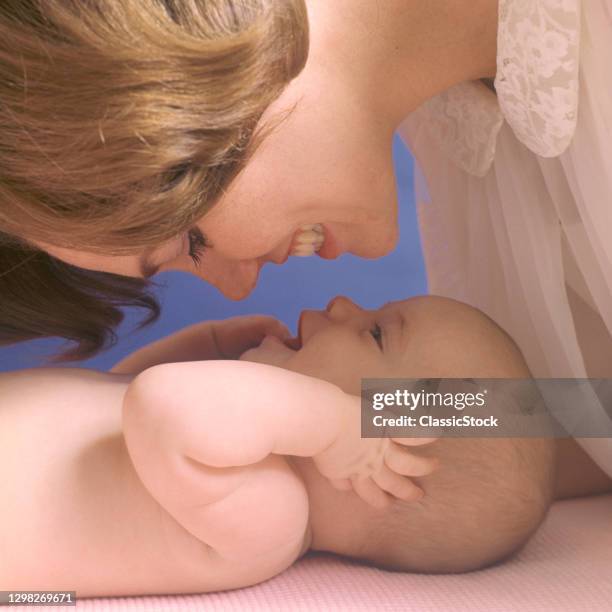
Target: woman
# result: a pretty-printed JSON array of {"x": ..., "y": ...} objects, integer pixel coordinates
[{"x": 135, "y": 134}]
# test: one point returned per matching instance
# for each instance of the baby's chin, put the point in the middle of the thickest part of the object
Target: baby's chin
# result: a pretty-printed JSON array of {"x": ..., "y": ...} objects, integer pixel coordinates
[{"x": 271, "y": 351}]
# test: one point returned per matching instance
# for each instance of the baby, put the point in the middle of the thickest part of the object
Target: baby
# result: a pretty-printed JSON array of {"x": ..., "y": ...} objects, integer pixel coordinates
[{"x": 211, "y": 475}]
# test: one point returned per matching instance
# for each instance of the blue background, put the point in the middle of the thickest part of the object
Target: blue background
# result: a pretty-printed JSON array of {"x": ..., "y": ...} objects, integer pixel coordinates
[{"x": 283, "y": 291}]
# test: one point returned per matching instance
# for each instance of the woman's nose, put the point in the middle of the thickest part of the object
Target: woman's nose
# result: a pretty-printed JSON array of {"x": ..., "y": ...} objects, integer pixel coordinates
[{"x": 341, "y": 308}]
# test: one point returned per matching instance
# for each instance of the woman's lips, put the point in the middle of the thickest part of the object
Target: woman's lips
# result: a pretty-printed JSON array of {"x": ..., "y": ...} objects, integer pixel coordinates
[
  {"x": 279, "y": 255},
  {"x": 331, "y": 248},
  {"x": 307, "y": 240},
  {"x": 282, "y": 256}
]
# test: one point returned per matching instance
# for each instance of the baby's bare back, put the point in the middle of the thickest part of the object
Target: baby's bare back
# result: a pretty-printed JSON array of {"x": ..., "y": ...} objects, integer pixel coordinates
[{"x": 75, "y": 514}]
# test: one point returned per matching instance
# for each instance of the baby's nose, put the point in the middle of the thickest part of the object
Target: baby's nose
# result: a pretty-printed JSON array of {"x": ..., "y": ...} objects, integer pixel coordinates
[{"x": 341, "y": 308}]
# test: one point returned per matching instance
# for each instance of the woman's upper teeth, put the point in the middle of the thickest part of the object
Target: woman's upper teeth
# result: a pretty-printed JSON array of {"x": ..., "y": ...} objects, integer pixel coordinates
[
  {"x": 308, "y": 240},
  {"x": 308, "y": 236}
]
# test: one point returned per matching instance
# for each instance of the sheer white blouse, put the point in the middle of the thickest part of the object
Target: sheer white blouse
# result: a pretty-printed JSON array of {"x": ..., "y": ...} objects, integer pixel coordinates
[{"x": 514, "y": 191}]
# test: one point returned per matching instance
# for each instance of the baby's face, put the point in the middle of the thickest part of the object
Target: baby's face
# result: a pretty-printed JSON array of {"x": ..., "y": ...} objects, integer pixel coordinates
[{"x": 415, "y": 338}]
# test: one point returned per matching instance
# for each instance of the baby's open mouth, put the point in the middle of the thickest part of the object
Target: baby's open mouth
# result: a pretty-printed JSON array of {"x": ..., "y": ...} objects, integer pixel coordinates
[
  {"x": 294, "y": 344},
  {"x": 308, "y": 240}
]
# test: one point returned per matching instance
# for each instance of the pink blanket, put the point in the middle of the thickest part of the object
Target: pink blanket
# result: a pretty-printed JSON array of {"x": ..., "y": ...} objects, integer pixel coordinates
[{"x": 566, "y": 567}]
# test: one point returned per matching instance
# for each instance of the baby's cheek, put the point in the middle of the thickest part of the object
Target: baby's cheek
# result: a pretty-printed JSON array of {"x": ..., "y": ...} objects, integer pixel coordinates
[
  {"x": 333, "y": 367},
  {"x": 318, "y": 361}
]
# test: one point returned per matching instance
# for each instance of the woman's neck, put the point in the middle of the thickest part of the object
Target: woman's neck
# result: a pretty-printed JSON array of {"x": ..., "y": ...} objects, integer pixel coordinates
[{"x": 400, "y": 53}]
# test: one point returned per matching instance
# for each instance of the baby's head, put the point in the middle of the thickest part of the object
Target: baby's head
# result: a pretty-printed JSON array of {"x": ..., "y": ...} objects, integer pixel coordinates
[{"x": 422, "y": 337}]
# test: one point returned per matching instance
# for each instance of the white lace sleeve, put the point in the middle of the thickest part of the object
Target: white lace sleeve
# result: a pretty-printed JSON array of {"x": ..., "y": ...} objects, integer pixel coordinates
[
  {"x": 537, "y": 71},
  {"x": 536, "y": 86},
  {"x": 464, "y": 122}
]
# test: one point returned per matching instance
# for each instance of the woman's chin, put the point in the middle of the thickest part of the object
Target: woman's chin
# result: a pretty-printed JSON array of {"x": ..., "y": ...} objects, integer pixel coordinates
[{"x": 271, "y": 351}]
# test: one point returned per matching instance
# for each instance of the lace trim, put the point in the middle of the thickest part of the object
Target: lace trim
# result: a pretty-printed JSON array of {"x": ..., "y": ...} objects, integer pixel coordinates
[
  {"x": 536, "y": 86},
  {"x": 537, "y": 71},
  {"x": 464, "y": 121}
]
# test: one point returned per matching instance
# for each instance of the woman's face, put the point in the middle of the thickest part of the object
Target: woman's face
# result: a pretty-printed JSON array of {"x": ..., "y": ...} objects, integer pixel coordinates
[{"x": 329, "y": 162}]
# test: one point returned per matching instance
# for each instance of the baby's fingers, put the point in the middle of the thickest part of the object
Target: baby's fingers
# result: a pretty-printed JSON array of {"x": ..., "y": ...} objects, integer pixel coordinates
[
  {"x": 406, "y": 464},
  {"x": 371, "y": 493},
  {"x": 396, "y": 485}
]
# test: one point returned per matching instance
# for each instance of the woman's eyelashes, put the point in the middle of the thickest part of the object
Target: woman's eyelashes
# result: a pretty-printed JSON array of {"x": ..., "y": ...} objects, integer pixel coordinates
[
  {"x": 376, "y": 333},
  {"x": 198, "y": 243}
]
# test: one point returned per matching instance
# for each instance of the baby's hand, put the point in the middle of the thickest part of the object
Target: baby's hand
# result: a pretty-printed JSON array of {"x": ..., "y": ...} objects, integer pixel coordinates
[
  {"x": 236, "y": 335},
  {"x": 377, "y": 469}
]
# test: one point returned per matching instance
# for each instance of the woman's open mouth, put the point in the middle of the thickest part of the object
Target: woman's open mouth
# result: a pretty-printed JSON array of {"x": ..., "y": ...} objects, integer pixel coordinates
[
  {"x": 314, "y": 239},
  {"x": 307, "y": 241}
]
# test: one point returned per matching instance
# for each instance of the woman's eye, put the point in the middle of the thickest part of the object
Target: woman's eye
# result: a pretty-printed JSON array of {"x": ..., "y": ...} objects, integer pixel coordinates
[
  {"x": 376, "y": 333},
  {"x": 197, "y": 244}
]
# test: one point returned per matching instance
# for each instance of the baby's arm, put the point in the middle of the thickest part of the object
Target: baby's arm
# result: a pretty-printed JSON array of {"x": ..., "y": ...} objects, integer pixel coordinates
[
  {"x": 76, "y": 514},
  {"x": 205, "y": 439},
  {"x": 226, "y": 339}
]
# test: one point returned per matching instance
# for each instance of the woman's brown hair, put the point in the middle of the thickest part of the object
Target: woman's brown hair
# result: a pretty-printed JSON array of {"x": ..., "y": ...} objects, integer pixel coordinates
[{"x": 121, "y": 122}]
